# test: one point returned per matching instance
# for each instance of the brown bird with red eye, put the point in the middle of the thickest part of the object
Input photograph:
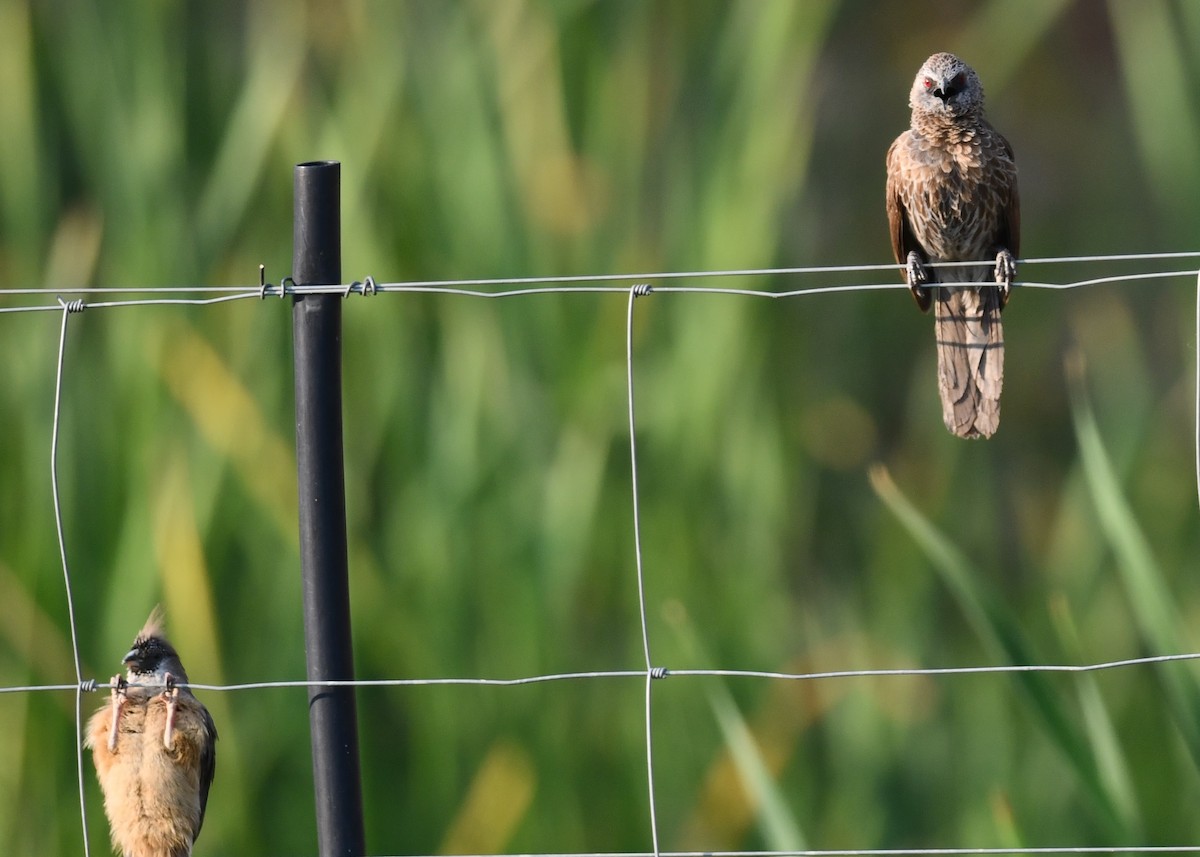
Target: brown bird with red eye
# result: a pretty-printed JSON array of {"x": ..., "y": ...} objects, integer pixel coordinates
[
  {"x": 952, "y": 197},
  {"x": 154, "y": 747}
]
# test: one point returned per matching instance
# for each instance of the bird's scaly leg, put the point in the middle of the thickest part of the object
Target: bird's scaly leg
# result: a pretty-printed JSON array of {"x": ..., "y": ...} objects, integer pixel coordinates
[
  {"x": 118, "y": 702},
  {"x": 1006, "y": 271},
  {"x": 916, "y": 274},
  {"x": 172, "y": 696}
]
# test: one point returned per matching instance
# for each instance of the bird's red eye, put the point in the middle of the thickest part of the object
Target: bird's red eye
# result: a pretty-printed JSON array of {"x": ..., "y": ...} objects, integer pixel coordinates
[{"x": 927, "y": 83}]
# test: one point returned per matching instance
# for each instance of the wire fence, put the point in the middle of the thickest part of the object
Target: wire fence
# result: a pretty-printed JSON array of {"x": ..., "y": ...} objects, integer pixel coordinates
[
  {"x": 20, "y": 300},
  {"x": 199, "y": 295}
]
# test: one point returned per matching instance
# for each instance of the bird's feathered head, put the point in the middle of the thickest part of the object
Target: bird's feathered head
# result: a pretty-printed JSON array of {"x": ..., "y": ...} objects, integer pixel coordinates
[
  {"x": 947, "y": 86},
  {"x": 152, "y": 656}
]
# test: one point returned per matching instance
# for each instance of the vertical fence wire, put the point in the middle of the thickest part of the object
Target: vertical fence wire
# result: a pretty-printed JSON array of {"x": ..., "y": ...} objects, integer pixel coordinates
[
  {"x": 634, "y": 293},
  {"x": 68, "y": 307}
]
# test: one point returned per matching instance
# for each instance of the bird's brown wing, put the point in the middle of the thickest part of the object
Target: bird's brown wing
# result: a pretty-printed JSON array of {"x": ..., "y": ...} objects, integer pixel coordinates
[
  {"x": 903, "y": 240},
  {"x": 897, "y": 216},
  {"x": 1010, "y": 215},
  {"x": 208, "y": 766}
]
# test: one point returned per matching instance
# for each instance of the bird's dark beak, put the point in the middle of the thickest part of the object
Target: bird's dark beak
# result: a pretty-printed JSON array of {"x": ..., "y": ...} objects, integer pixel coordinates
[{"x": 945, "y": 92}]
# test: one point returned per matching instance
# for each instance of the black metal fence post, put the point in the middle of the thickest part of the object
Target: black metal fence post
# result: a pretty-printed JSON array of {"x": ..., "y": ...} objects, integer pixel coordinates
[{"x": 317, "y": 335}]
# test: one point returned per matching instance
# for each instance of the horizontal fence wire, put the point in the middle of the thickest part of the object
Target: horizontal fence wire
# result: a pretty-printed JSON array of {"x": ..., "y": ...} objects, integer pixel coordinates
[
  {"x": 642, "y": 285},
  {"x": 655, "y": 673},
  {"x": 198, "y": 295},
  {"x": 860, "y": 852},
  {"x": 869, "y": 852}
]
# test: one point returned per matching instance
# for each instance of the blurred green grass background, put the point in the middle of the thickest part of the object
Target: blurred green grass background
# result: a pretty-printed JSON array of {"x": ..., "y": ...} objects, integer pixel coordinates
[{"x": 803, "y": 507}]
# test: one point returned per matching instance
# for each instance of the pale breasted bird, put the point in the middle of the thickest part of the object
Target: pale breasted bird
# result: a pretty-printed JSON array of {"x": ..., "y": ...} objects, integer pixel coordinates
[
  {"x": 154, "y": 747},
  {"x": 952, "y": 197}
]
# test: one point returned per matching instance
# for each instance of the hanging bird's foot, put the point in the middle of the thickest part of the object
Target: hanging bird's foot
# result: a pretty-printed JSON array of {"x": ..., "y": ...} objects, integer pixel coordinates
[
  {"x": 1006, "y": 271},
  {"x": 118, "y": 702},
  {"x": 171, "y": 694},
  {"x": 916, "y": 274}
]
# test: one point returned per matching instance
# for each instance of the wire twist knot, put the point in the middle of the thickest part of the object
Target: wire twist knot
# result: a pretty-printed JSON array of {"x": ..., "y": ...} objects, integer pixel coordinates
[
  {"x": 367, "y": 287},
  {"x": 88, "y": 685},
  {"x": 659, "y": 672},
  {"x": 264, "y": 288},
  {"x": 74, "y": 306},
  {"x": 642, "y": 289}
]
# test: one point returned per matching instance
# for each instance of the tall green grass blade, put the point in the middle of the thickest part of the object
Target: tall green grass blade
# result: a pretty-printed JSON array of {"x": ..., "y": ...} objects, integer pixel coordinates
[
  {"x": 780, "y": 830},
  {"x": 1146, "y": 584},
  {"x": 1000, "y": 631},
  {"x": 1111, "y": 761},
  {"x": 777, "y": 821},
  {"x": 1160, "y": 90}
]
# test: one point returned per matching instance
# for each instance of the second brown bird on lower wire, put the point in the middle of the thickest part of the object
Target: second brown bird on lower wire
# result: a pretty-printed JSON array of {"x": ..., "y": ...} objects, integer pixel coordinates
[{"x": 154, "y": 747}]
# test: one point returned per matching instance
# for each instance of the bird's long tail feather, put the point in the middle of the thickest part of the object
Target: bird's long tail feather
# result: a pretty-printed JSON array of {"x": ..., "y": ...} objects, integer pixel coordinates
[{"x": 970, "y": 349}]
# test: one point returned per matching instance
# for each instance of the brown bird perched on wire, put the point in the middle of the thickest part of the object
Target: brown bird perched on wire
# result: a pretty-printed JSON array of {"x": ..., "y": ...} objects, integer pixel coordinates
[
  {"x": 952, "y": 197},
  {"x": 154, "y": 747}
]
